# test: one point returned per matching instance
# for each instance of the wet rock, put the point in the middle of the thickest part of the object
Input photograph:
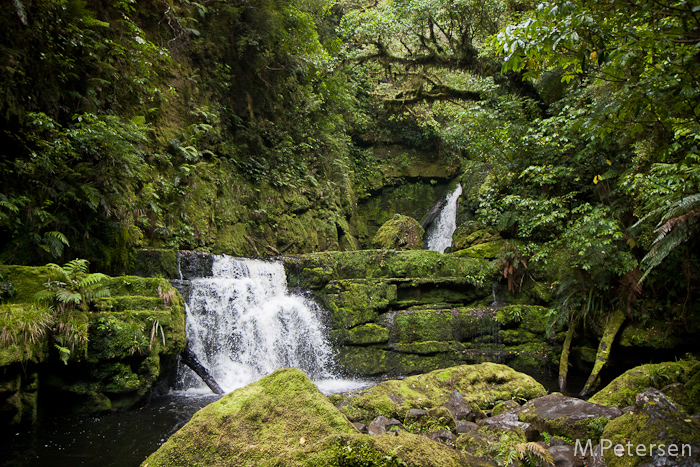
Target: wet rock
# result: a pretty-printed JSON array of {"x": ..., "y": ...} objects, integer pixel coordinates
[
  {"x": 656, "y": 433},
  {"x": 361, "y": 427},
  {"x": 621, "y": 392},
  {"x": 415, "y": 416},
  {"x": 510, "y": 421},
  {"x": 465, "y": 427},
  {"x": 595, "y": 458},
  {"x": 443, "y": 436},
  {"x": 381, "y": 425},
  {"x": 567, "y": 416},
  {"x": 565, "y": 456},
  {"x": 459, "y": 407},
  {"x": 503, "y": 407}
]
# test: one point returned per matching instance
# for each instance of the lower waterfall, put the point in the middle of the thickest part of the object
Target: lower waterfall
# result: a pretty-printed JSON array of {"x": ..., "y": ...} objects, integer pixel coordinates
[
  {"x": 242, "y": 324},
  {"x": 439, "y": 234}
]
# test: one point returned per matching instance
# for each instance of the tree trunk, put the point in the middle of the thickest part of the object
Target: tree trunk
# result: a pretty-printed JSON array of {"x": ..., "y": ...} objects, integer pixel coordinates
[
  {"x": 190, "y": 359},
  {"x": 564, "y": 360},
  {"x": 611, "y": 328}
]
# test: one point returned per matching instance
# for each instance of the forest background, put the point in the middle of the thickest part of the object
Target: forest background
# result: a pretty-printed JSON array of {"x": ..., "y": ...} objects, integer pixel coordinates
[{"x": 221, "y": 125}]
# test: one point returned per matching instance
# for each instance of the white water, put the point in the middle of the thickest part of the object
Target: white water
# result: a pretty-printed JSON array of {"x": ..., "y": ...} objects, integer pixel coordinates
[
  {"x": 243, "y": 324},
  {"x": 440, "y": 233}
]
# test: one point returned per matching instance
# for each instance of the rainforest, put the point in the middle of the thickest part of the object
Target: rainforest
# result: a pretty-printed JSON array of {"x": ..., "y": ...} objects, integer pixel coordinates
[{"x": 144, "y": 143}]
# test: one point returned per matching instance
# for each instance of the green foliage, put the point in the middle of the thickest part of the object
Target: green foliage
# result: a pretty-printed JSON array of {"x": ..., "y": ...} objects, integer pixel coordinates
[
  {"x": 526, "y": 454},
  {"x": 68, "y": 293},
  {"x": 364, "y": 455}
]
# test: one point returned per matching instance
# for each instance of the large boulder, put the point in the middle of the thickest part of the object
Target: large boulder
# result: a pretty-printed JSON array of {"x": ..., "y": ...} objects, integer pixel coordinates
[
  {"x": 657, "y": 432},
  {"x": 623, "y": 390},
  {"x": 400, "y": 233},
  {"x": 283, "y": 420},
  {"x": 567, "y": 416},
  {"x": 480, "y": 386}
]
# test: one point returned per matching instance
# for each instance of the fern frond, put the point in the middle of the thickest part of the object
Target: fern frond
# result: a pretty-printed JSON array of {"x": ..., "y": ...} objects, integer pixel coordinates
[
  {"x": 92, "y": 280},
  {"x": 66, "y": 296},
  {"x": 668, "y": 239},
  {"x": 682, "y": 207},
  {"x": 76, "y": 266}
]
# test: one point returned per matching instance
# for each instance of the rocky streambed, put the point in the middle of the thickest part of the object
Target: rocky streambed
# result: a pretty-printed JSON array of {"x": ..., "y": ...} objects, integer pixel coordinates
[{"x": 476, "y": 415}]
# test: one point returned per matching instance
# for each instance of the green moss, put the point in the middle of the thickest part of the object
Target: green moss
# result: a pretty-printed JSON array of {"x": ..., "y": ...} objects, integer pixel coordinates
[
  {"x": 481, "y": 385},
  {"x": 280, "y": 420},
  {"x": 401, "y": 233},
  {"x": 623, "y": 390},
  {"x": 424, "y": 325},
  {"x": 666, "y": 427},
  {"x": 26, "y": 280},
  {"x": 367, "y": 361},
  {"x": 367, "y": 264},
  {"x": 351, "y": 303},
  {"x": 428, "y": 347},
  {"x": 230, "y": 239},
  {"x": 361, "y": 335},
  {"x": 529, "y": 318},
  {"x": 24, "y": 328},
  {"x": 655, "y": 335},
  {"x": 154, "y": 263},
  {"x": 488, "y": 250}
]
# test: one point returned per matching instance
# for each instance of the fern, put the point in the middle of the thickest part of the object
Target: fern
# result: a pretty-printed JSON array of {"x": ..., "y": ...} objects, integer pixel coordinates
[
  {"x": 68, "y": 293},
  {"x": 527, "y": 454}
]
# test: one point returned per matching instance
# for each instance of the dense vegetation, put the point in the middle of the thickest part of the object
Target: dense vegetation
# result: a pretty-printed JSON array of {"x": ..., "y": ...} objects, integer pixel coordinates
[{"x": 219, "y": 125}]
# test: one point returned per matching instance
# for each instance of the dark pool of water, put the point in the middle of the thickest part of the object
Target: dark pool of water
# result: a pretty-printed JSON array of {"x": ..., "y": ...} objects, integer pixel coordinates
[{"x": 120, "y": 439}]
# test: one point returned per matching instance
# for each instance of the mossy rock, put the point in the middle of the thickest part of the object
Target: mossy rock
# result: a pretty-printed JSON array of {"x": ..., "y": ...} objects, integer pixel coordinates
[
  {"x": 476, "y": 322},
  {"x": 654, "y": 335},
  {"x": 655, "y": 421},
  {"x": 623, "y": 390},
  {"x": 488, "y": 250},
  {"x": 368, "y": 264},
  {"x": 428, "y": 347},
  {"x": 399, "y": 233},
  {"x": 424, "y": 325},
  {"x": 481, "y": 385},
  {"x": 354, "y": 302},
  {"x": 529, "y": 318},
  {"x": 283, "y": 420},
  {"x": 364, "y": 334},
  {"x": 365, "y": 361},
  {"x": 154, "y": 263},
  {"x": 567, "y": 416},
  {"x": 402, "y": 449}
]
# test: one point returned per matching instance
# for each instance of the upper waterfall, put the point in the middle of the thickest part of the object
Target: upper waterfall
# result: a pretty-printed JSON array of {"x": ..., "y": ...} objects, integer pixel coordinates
[
  {"x": 439, "y": 235},
  {"x": 242, "y": 323}
]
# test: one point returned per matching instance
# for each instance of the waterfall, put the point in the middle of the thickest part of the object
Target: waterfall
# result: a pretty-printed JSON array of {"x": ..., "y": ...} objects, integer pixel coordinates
[
  {"x": 242, "y": 324},
  {"x": 439, "y": 235}
]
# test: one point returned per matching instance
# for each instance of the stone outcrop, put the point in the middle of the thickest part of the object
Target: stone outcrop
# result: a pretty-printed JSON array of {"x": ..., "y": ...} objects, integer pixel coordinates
[{"x": 134, "y": 336}]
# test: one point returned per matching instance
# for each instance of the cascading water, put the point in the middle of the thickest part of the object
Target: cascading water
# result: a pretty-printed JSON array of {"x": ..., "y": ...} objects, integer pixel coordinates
[
  {"x": 242, "y": 324},
  {"x": 440, "y": 233}
]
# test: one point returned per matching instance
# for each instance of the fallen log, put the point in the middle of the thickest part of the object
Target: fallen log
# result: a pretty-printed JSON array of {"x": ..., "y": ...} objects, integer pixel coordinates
[{"x": 190, "y": 359}]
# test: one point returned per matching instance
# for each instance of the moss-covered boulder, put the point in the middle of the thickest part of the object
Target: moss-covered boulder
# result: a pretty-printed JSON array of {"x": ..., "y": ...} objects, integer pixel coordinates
[
  {"x": 623, "y": 390},
  {"x": 481, "y": 385},
  {"x": 567, "y": 416},
  {"x": 656, "y": 432},
  {"x": 399, "y": 233},
  {"x": 283, "y": 420}
]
